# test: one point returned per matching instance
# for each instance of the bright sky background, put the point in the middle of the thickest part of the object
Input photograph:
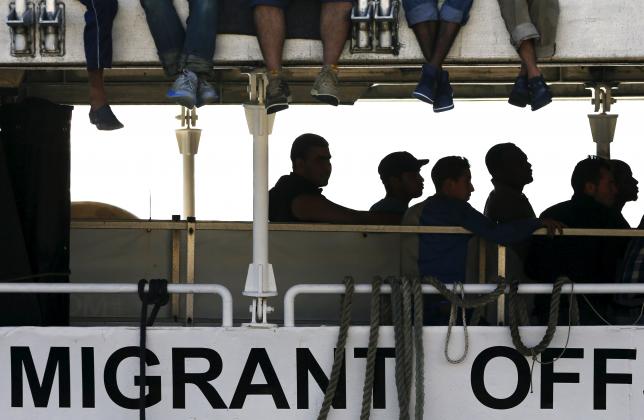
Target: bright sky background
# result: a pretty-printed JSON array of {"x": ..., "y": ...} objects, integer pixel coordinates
[{"x": 126, "y": 167}]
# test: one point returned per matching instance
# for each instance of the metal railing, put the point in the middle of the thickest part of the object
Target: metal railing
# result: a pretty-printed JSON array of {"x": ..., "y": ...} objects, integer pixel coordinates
[
  {"x": 193, "y": 227},
  {"x": 107, "y": 288},
  {"x": 528, "y": 288}
]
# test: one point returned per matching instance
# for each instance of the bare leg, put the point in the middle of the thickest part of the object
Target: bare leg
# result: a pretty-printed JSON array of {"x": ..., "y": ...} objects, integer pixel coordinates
[
  {"x": 446, "y": 36},
  {"x": 97, "y": 95},
  {"x": 335, "y": 24},
  {"x": 270, "y": 24},
  {"x": 528, "y": 59},
  {"x": 426, "y": 35},
  {"x": 100, "y": 113}
]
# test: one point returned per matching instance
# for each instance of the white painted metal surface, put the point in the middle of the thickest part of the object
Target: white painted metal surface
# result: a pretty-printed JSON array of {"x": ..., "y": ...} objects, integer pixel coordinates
[
  {"x": 589, "y": 31},
  {"x": 273, "y": 374},
  {"x": 527, "y": 289},
  {"x": 260, "y": 281},
  {"x": 105, "y": 288},
  {"x": 188, "y": 141}
]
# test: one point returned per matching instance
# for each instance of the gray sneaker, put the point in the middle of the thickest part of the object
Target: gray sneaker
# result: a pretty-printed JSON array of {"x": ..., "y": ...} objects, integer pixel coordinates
[
  {"x": 325, "y": 88},
  {"x": 277, "y": 95},
  {"x": 206, "y": 93},
  {"x": 184, "y": 89}
]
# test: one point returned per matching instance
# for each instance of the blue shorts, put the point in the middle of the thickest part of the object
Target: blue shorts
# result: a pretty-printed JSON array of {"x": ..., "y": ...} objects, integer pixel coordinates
[
  {"x": 283, "y": 4},
  {"x": 455, "y": 11}
]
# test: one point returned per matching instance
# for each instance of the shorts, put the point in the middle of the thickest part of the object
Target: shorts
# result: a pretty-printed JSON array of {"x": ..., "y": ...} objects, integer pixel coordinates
[
  {"x": 283, "y": 4},
  {"x": 455, "y": 11}
]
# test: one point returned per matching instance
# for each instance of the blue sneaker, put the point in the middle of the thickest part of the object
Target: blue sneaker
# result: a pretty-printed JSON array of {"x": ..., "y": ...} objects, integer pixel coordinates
[
  {"x": 184, "y": 89},
  {"x": 426, "y": 88},
  {"x": 520, "y": 95},
  {"x": 444, "y": 93},
  {"x": 206, "y": 94},
  {"x": 540, "y": 94}
]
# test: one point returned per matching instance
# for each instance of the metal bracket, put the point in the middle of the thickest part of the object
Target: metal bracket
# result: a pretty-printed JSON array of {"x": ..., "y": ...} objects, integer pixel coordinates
[
  {"x": 22, "y": 30},
  {"x": 257, "y": 82},
  {"x": 188, "y": 117},
  {"x": 602, "y": 125},
  {"x": 375, "y": 27},
  {"x": 602, "y": 95},
  {"x": 51, "y": 27}
]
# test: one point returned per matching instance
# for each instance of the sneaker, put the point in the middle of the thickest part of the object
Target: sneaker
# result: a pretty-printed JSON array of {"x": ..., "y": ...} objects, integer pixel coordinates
[
  {"x": 325, "y": 88},
  {"x": 444, "y": 99},
  {"x": 184, "y": 89},
  {"x": 277, "y": 95},
  {"x": 104, "y": 119},
  {"x": 206, "y": 94},
  {"x": 540, "y": 94},
  {"x": 520, "y": 95},
  {"x": 426, "y": 88}
]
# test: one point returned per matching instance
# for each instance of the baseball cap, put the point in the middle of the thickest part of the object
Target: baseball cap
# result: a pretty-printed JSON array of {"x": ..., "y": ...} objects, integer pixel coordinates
[{"x": 396, "y": 163}]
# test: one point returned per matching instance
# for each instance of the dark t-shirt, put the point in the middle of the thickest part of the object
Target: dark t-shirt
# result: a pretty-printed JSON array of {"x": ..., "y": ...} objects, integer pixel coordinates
[
  {"x": 281, "y": 197},
  {"x": 390, "y": 205},
  {"x": 581, "y": 258}
]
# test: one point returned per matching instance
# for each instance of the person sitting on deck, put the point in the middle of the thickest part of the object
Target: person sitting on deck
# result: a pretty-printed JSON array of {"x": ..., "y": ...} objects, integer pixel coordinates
[
  {"x": 444, "y": 256},
  {"x": 400, "y": 174},
  {"x": 186, "y": 54},
  {"x": 270, "y": 22},
  {"x": 582, "y": 259},
  {"x": 297, "y": 197},
  {"x": 436, "y": 32},
  {"x": 97, "y": 38},
  {"x": 532, "y": 25}
]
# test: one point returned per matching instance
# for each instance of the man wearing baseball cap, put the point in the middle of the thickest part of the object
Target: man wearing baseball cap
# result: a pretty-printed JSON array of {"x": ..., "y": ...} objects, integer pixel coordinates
[{"x": 400, "y": 174}]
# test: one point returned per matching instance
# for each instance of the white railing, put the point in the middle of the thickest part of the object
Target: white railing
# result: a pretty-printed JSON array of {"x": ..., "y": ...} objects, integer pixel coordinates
[
  {"x": 528, "y": 288},
  {"x": 105, "y": 288}
]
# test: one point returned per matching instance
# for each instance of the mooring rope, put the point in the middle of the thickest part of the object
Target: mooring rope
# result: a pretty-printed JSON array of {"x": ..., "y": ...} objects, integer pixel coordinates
[
  {"x": 374, "y": 329},
  {"x": 338, "y": 358},
  {"x": 405, "y": 296}
]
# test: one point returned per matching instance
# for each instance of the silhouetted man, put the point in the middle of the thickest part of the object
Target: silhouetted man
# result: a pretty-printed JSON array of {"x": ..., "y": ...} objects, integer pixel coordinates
[
  {"x": 582, "y": 259},
  {"x": 400, "y": 174},
  {"x": 532, "y": 25},
  {"x": 444, "y": 256},
  {"x": 270, "y": 22},
  {"x": 436, "y": 31},
  {"x": 511, "y": 172},
  {"x": 297, "y": 197}
]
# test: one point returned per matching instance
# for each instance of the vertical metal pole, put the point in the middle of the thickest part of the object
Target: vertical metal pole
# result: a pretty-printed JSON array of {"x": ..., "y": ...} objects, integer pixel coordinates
[
  {"x": 189, "y": 185},
  {"x": 176, "y": 274},
  {"x": 191, "y": 234},
  {"x": 260, "y": 281},
  {"x": 482, "y": 260},
  {"x": 500, "y": 304}
]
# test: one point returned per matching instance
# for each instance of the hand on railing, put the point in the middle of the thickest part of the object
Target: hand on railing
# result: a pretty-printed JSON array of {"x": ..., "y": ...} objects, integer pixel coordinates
[{"x": 553, "y": 226}]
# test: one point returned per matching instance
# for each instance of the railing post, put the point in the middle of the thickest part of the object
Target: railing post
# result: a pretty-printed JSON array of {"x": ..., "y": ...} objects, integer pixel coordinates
[
  {"x": 500, "y": 304},
  {"x": 260, "y": 280}
]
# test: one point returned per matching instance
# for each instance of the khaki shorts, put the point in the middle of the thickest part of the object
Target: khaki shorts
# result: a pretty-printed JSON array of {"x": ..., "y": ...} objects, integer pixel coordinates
[{"x": 532, "y": 19}]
